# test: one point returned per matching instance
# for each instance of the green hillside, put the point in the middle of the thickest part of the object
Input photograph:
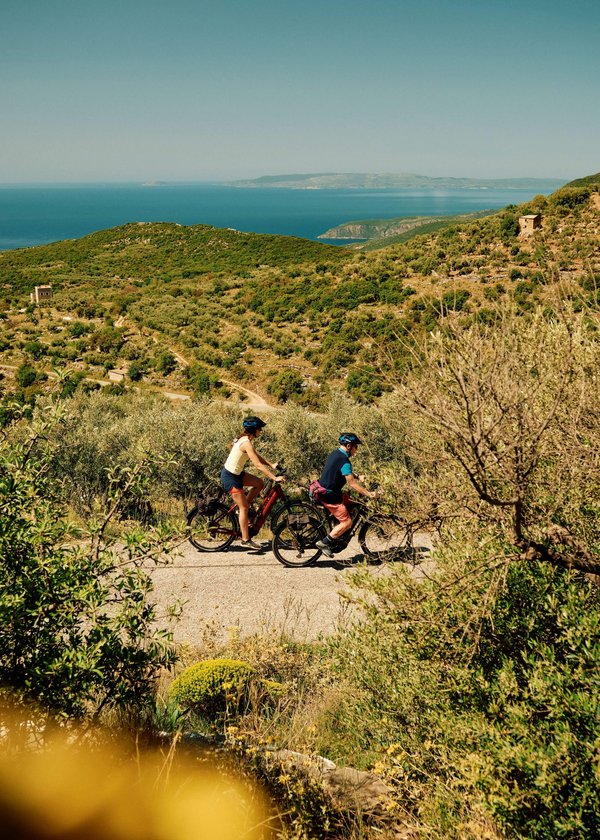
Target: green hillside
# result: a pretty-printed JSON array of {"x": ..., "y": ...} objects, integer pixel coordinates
[
  {"x": 588, "y": 181},
  {"x": 146, "y": 251},
  {"x": 289, "y": 317},
  {"x": 399, "y": 229}
]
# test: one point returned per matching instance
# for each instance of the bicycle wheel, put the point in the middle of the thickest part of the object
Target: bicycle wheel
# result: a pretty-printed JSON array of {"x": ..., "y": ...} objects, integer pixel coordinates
[
  {"x": 293, "y": 508},
  {"x": 386, "y": 540},
  {"x": 294, "y": 540},
  {"x": 212, "y": 530}
]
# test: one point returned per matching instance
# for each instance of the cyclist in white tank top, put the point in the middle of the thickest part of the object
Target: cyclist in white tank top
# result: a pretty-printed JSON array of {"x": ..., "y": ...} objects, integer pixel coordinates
[
  {"x": 234, "y": 478},
  {"x": 237, "y": 457}
]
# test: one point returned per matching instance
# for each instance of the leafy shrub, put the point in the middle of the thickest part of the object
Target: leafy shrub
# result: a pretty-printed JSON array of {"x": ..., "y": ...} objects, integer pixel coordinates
[
  {"x": 487, "y": 692},
  {"x": 70, "y": 383},
  {"x": 570, "y": 197},
  {"x": 190, "y": 442},
  {"x": 286, "y": 384},
  {"x": 539, "y": 653},
  {"x": 165, "y": 363},
  {"x": 77, "y": 628},
  {"x": 26, "y": 375},
  {"x": 136, "y": 370},
  {"x": 78, "y": 328},
  {"x": 364, "y": 384},
  {"x": 107, "y": 339},
  {"x": 509, "y": 227},
  {"x": 213, "y": 687},
  {"x": 35, "y": 349},
  {"x": 198, "y": 378}
]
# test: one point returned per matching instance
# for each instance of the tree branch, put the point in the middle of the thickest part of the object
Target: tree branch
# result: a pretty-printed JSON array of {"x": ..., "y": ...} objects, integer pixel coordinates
[{"x": 576, "y": 554}]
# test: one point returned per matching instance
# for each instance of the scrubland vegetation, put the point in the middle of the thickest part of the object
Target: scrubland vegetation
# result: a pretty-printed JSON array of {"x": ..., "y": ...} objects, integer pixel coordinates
[
  {"x": 262, "y": 309},
  {"x": 473, "y": 693}
]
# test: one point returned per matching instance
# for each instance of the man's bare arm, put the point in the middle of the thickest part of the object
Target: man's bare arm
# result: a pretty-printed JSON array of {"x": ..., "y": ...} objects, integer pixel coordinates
[{"x": 354, "y": 484}]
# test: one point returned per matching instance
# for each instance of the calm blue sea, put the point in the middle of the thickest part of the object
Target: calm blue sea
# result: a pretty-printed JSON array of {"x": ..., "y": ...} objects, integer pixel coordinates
[{"x": 35, "y": 215}]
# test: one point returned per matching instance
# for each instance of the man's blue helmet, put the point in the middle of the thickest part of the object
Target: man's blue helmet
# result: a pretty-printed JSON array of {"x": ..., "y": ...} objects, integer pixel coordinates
[
  {"x": 253, "y": 424},
  {"x": 349, "y": 437}
]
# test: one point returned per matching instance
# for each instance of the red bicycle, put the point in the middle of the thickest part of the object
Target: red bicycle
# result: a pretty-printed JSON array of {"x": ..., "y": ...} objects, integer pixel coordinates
[{"x": 213, "y": 524}]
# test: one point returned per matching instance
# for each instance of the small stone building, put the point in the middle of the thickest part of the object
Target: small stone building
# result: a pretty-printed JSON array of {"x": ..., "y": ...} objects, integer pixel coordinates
[
  {"x": 41, "y": 294},
  {"x": 117, "y": 375},
  {"x": 528, "y": 224}
]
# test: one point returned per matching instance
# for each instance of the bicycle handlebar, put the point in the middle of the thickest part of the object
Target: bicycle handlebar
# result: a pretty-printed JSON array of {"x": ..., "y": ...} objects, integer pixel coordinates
[{"x": 281, "y": 476}]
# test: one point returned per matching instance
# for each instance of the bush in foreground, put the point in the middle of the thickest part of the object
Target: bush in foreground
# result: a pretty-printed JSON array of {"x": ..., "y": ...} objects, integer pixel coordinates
[
  {"x": 213, "y": 687},
  {"x": 77, "y": 624}
]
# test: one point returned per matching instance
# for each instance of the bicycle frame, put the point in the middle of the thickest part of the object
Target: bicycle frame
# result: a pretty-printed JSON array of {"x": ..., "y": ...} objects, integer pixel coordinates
[{"x": 273, "y": 494}]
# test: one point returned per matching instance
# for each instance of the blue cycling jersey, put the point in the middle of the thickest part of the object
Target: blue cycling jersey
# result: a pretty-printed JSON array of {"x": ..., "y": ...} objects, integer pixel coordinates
[{"x": 333, "y": 477}]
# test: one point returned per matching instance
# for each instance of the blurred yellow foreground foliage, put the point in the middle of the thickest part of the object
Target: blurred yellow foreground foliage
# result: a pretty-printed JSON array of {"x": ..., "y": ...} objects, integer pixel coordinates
[{"x": 64, "y": 790}]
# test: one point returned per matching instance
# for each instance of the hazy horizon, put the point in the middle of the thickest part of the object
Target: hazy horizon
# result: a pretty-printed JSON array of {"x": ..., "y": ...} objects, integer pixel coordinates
[
  {"x": 201, "y": 92},
  {"x": 151, "y": 183}
]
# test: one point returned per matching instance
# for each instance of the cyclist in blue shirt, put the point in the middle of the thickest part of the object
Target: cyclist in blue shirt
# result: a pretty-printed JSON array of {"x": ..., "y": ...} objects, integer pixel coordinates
[{"x": 337, "y": 472}]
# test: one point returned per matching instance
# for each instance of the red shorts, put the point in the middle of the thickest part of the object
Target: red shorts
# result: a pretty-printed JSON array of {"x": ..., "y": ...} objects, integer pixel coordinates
[{"x": 340, "y": 511}]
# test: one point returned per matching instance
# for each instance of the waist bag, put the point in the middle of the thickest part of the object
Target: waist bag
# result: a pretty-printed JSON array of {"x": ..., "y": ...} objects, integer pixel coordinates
[{"x": 316, "y": 491}]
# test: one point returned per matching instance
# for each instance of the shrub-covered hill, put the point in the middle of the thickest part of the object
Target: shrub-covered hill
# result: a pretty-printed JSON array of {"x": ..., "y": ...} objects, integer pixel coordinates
[
  {"x": 146, "y": 251},
  {"x": 381, "y": 232},
  {"x": 285, "y": 315},
  {"x": 587, "y": 181}
]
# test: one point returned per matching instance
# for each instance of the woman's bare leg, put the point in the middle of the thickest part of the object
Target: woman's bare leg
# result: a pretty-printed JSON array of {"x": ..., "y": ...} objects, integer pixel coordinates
[
  {"x": 241, "y": 500},
  {"x": 256, "y": 485}
]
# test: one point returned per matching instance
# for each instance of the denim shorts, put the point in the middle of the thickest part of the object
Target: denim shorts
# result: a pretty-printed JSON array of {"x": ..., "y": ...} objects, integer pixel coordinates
[{"x": 231, "y": 481}]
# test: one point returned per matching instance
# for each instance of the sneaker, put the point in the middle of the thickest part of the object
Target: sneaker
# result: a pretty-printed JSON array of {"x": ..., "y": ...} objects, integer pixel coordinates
[
  {"x": 325, "y": 548},
  {"x": 252, "y": 546}
]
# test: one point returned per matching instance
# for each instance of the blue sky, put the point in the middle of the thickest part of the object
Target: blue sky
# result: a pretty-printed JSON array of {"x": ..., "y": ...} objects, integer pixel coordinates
[{"x": 125, "y": 90}]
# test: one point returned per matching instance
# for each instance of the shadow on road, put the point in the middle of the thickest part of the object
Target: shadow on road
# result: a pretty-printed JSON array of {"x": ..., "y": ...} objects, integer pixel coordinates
[{"x": 411, "y": 556}]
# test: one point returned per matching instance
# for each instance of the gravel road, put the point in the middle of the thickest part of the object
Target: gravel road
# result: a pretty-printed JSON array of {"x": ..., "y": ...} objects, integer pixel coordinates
[{"x": 253, "y": 592}]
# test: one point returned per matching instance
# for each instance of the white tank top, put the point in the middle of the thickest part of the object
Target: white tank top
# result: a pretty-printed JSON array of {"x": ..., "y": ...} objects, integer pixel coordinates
[{"x": 237, "y": 458}]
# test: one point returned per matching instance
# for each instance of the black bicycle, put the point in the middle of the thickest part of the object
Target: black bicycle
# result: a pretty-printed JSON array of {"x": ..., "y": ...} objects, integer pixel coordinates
[{"x": 382, "y": 536}]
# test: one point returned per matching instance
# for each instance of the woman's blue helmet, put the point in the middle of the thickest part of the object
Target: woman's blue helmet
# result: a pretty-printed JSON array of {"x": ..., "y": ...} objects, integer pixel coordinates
[
  {"x": 349, "y": 437},
  {"x": 253, "y": 424}
]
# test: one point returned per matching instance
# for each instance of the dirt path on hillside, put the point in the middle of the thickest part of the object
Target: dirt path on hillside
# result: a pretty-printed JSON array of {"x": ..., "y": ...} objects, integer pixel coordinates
[
  {"x": 254, "y": 401},
  {"x": 250, "y": 592}
]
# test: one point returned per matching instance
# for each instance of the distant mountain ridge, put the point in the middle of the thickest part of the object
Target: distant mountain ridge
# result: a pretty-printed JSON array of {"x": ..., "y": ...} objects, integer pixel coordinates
[{"x": 391, "y": 181}]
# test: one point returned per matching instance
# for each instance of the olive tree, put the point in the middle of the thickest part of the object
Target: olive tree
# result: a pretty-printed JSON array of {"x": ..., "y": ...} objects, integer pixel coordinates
[{"x": 508, "y": 417}]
